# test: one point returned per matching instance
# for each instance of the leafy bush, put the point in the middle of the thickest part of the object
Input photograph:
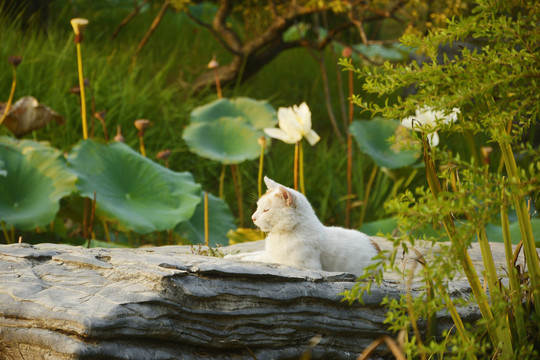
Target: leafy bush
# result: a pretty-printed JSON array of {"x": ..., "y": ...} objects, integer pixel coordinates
[{"x": 495, "y": 87}]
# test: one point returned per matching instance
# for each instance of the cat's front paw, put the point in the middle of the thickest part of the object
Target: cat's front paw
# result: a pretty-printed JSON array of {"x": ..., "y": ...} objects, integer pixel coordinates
[
  {"x": 254, "y": 256},
  {"x": 235, "y": 256}
]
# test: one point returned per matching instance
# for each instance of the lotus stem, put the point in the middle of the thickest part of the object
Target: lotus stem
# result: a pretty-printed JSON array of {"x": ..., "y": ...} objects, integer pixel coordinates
[
  {"x": 367, "y": 192},
  {"x": 221, "y": 182},
  {"x": 92, "y": 217},
  {"x": 237, "y": 180},
  {"x": 206, "y": 239},
  {"x": 81, "y": 86},
  {"x": 141, "y": 141},
  {"x": 218, "y": 84},
  {"x": 78, "y": 25},
  {"x": 515, "y": 291},
  {"x": 86, "y": 214},
  {"x": 141, "y": 125},
  {"x": 295, "y": 165},
  {"x": 6, "y": 235},
  {"x": 349, "y": 154},
  {"x": 213, "y": 64},
  {"x": 262, "y": 143},
  {"x": 101, "y": 117},
  {"x": 118, "y": 137},
  {"x": 106, "y": 229},
  {"x": 301, "y": 167},
  {"x": 10, "y": 99}
]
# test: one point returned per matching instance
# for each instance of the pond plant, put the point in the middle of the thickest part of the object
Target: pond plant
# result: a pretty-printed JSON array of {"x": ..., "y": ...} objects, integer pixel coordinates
[
  {"x": 494, "y": 86},
  {"x": 228, "y": 131},
  {"x": 294, "y": 125}
]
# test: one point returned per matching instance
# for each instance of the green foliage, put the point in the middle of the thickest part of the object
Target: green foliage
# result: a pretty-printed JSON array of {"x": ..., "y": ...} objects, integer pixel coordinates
[
  {"x": 219, "y": 217},
  {"x": 229, "y": 130},
  {"x": 35, "y": 179},
  {"x": 494, "y": 82},
  {"x": 373, "y": 137},
  {"x": 132, "y": 190}
]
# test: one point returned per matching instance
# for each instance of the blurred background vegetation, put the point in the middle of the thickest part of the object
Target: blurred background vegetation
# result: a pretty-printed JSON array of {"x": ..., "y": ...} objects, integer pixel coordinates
[{"x": 164, "y": 80}]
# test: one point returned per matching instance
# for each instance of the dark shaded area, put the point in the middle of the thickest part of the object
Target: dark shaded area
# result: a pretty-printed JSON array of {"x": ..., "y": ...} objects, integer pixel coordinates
[{"x": 29, "y": 11}]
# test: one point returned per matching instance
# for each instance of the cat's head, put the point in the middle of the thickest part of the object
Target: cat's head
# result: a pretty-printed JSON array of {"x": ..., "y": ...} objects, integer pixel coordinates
[{"x": 281, "y": 208}]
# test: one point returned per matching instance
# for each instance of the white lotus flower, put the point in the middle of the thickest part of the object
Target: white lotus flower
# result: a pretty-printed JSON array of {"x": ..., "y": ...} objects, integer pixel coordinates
[
  {"x": 294, "y": 123},
  {"x": 427, "y": 119}
]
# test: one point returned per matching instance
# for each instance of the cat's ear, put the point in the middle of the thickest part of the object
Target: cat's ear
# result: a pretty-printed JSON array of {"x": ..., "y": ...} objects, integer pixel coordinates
[
  {"x": 270, "y": 184},
  {"x": 286, "y": 195}
]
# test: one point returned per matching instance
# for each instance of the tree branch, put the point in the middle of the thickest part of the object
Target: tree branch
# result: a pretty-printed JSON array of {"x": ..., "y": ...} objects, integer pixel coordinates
[{"x": 220, "y": 26}]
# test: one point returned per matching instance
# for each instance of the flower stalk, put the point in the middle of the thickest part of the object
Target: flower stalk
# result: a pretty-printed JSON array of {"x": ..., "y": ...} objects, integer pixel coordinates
[
  {"x": 262, "y": 143},
  {"x": 347, "y": 52},
  {"x": 206, "y": 237},
  {"x": 213, "y": 65},
  {"x": 78, "y": 25},
  {"x": 141, "y": 125},
  {"x": 15, "y": 61}
]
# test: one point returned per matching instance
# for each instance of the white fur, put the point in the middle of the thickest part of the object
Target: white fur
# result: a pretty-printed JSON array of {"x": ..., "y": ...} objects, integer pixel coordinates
[{"x": 297, "y": 238}]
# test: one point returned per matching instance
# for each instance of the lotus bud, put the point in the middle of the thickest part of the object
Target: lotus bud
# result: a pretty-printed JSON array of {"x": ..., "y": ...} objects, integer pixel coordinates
[
  {"x": 486, "y": 152},
  {"x": 119, "y": 137},
  {"x": 78, "y": 25},
  {"x": 213, "y": 64},
  {"x": 141, "y": 125},
  {"x": 75, "y": 90},
  {"x": 164, "y": 154},
  {"x": 15, "y": 60},
  {"x": 347, "y": 52}
]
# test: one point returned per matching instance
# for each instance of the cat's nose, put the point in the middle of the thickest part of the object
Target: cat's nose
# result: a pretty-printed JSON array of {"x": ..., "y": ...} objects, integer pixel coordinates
[{"x": 253, "y": 218}]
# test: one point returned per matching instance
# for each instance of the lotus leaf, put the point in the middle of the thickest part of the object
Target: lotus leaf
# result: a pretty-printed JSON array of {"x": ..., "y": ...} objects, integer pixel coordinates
[
  {"x": 227, "y": 140},
  {"x": 258, "y": 113},
  {"x": 220, "y": 222},
  {"x": 372, "y": 138},
  {"x": 36, "y": 178},
  {"x": 138, "y": 193}
]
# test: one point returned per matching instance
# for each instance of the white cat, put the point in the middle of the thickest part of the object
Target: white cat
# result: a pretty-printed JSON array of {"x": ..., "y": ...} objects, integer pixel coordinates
[{"x": 297, "y": 238}]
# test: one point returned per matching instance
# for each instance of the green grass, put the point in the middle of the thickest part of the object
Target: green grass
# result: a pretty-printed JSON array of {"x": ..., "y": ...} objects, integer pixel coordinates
[{"x": 156, "y": 87}]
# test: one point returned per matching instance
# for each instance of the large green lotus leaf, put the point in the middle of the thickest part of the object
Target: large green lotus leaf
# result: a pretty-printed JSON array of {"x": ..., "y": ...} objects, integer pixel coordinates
[
  {"x": 138, "y": 193},
  {"x": 372, "y": 137},
  {"x": 227, "y": 140},
  {"x": 220, "y": 221},
  {"x": 258, "y": 113},
  {"x": 35, "y": 177}
]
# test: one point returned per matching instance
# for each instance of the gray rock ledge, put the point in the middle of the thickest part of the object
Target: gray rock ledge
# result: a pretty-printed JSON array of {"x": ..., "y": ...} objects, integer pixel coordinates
[{"x": 63, "y": 302}]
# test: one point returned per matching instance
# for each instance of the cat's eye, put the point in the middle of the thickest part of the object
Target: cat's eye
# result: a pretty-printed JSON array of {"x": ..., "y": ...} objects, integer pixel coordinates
[{"x": 265, "y": 210}]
